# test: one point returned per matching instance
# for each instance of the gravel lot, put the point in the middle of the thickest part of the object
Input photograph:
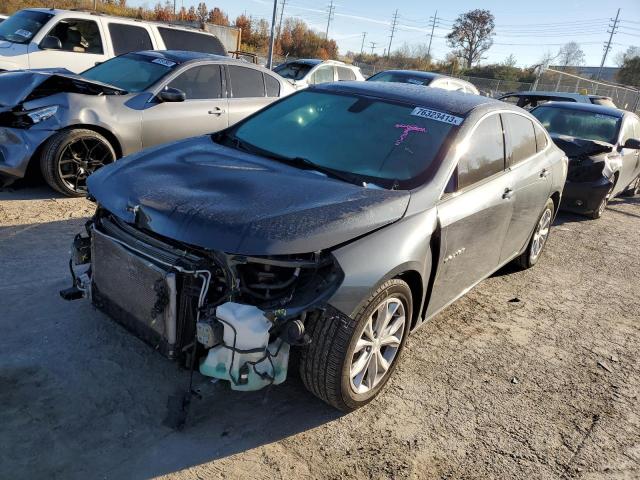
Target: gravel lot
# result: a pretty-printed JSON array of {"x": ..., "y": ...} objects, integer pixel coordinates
[{"x": 532, "y": 375}]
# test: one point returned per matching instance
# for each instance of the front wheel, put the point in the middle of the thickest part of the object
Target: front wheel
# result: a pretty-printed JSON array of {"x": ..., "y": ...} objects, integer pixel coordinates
[
  {"x": 70, "y": 156},
  {"x": 539, "y": 238},
  {"x": 349, "y": 360},
  {"x": 597, "y": 213}
]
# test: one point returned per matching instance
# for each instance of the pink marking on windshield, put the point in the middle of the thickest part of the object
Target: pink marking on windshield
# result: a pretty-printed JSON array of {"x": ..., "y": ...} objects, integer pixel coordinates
[{"x": 408, "y": 129}]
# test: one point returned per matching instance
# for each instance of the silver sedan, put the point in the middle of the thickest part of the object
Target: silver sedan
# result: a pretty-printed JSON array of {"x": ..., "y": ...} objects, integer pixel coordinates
[{"x": 74, "y": 124}]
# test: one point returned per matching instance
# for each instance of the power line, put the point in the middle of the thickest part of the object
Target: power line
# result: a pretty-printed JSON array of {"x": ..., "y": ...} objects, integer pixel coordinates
[
  {"x": 394, "y": 25},
  {"x": 373, "y": 46},
  {"x": 329, "y": 18},
  {"x": 434, "y": 22},
  {"x": 607, "y": 47}
]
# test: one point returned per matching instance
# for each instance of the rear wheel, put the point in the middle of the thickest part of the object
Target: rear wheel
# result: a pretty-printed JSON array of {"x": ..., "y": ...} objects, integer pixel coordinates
[
  {"x": 70, "y": 156},
  {"x": 349, "y": 360},
  {"x": 539, "y": 238}
]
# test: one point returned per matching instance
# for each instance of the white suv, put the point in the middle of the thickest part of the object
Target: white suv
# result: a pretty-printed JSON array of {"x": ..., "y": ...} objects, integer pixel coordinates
[
  {"x": 305, "y": 72},
  {"x": 49, "y": 38}
]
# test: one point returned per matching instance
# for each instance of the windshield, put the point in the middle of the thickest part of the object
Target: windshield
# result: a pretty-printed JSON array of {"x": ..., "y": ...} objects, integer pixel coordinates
[
  {"x": 389, "y": 144},
  {"x": 579, "y": 124},
  {"x": 22, "y": 26},
  {"x": 400, "y": 78},
  {"x": 132, "y": 72},
  {"x": 293, "y": 71}
]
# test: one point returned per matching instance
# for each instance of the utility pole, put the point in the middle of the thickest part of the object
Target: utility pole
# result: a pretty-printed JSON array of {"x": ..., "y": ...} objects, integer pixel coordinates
[
  {"x": 364, "y": 35},
  {"x": 329, "y": 18},
  {"x": 434, "y": 23},
  {"x": 394, "y": 25},
  {"x": 607, "y": 47},
  {"x": 284, "y": 2},
  {"x": 272, "y": 41},
  {"x": 373, "y": 46}
]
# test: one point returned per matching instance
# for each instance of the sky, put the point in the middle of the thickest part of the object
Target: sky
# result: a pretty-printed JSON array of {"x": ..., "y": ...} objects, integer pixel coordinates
[{"x": 525, "y": 29}]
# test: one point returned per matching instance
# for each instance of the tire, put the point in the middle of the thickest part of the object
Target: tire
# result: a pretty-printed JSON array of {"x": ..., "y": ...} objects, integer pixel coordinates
[
  {"x": 540, "y": 234},
  {"x": 326, "y": 364},
  {"x": 633, "y": 189},
  {"x": 597, "y": 213},
  {"x": 70, "y": 156}
]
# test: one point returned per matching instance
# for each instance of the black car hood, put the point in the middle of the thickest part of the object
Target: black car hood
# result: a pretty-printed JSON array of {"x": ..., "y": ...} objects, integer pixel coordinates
[
  {"x": 19, "y": 85},
  {"x": 217, "y": 198},
  {"x": 581, "y": 148}
]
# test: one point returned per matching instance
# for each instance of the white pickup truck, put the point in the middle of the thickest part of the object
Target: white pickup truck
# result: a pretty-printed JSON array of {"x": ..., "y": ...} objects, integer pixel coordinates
[{"x": 77, "y": 40}]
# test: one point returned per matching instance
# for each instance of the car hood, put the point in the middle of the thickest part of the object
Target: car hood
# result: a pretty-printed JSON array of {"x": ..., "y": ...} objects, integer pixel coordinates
[
  {"x": 217, "y": 198},
  {"x": 580, "y": 148},
  {"x": 19, "y": 85}
]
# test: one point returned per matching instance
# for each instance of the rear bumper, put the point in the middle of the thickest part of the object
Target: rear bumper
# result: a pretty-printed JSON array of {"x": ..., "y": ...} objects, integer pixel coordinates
[
  {"x": 17, "y": 147},
  {"x": 584, "y": 197}
]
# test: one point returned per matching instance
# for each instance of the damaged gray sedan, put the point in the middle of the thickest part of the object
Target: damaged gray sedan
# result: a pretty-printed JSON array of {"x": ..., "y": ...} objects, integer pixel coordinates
[
  {"x": 335, "y": 221},
  {"x": 73, "y": 125}
]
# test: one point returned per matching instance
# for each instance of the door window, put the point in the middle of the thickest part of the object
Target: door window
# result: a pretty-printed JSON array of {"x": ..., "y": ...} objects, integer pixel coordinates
[
  {"x": 522, "y": 137},
  {"x": 345, "y": 73},
  {"x": 273, "y": 86},
  {"x": 323, "y": 75},
  {"x": 245, "y": 82},
  {"x": 485, "y": 153},
  {"x": 129, "y": 38},
  {"x": 200, "y": 83},
  {"x": 79, "y": 36},
  {"x": 191, "y": 41}
]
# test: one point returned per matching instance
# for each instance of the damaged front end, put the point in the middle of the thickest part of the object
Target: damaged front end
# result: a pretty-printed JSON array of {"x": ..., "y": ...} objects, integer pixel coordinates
[{"x": 236, "y": 315}]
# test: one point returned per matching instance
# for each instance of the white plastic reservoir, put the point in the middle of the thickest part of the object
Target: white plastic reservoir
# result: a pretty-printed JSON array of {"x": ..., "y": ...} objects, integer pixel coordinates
[{"x": 246, "y": 329}]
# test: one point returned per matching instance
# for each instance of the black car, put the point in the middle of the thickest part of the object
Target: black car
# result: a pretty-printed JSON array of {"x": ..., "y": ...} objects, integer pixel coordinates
[
  {"x": 529, "y": 100},
  {"x": 603, "y": 146}
]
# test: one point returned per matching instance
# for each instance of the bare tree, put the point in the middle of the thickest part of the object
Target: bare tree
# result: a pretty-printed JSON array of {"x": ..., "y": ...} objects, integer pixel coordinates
[
  {"x": 631, "y": 52},
  {"x": 570, "y": 55},
  {"x": 472, "y": 35},
  {"x": 202, "y": 12},
  {"x": 510, "y": 61}
]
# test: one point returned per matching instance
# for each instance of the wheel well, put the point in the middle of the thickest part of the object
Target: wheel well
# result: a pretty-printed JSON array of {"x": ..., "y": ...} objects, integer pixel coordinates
[
  {"x": 556, "y": 202},
  {"x": 102, "y": 131},
  {"x": 414, "y": 280}
]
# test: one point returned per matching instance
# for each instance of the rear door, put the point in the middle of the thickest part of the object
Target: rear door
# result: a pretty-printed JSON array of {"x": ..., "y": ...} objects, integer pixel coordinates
[
  {"x": 249, "y": 90},
  {"x": 529, "y": 172},
  {"x": 474, "y": 215},
  {"x": 203, "y": 111}
]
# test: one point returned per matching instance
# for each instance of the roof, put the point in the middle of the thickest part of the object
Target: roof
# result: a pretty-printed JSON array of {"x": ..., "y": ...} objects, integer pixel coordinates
[
  {"x": 415, "y": 73},
  {"x": 307, "y": 61},
  {"x": 457, "y": 103},
  {"x": 180, "y": 56},
  {"x": 575, "y": 96},
  {"x": 585, "y": 107}
]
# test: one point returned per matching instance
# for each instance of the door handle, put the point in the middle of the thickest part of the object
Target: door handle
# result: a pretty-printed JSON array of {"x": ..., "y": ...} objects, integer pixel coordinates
[
  {"x": 216, "y": 111},
  {"x": 508, "y": 193},
  {"x": 544, "y": 173}
]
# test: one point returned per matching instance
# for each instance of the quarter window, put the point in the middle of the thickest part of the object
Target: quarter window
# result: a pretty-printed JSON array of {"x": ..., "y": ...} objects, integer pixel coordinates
[
  {"x": 273, "y": 86},
  {"x": 200, "y": 83},
  {"x": 485, "y": 153},
  {"x": 129, "y": 38},
  {"x": 79, "y": 36},
  {"x": 522, "y": 137},
  {"x": 245, "y": 82},
  {"x": 541, "y": 137},
  {"x": 345, "y": 73}
]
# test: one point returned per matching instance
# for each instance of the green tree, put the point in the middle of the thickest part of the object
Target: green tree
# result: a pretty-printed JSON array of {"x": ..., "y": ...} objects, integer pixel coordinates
[{"x": 629, "y": 73}]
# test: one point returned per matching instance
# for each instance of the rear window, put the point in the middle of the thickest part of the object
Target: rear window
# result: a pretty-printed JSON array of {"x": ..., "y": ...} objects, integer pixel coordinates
[
  {"x": 245, "y": 82},
  {"x": 399, "y": 78},
  {"x": 578, "y": 123},
  {"x": 191, "y": 41},
  {"x": 293, "y": 70},
  {"x": 129, "y": 38}
]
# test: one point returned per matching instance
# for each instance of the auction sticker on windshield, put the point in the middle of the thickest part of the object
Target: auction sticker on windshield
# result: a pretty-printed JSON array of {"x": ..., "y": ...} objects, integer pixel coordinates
[
  {"x": 437, "y": 116},
  {"x": 162, "y": 61},
  {"x": 23, "y": 33}
]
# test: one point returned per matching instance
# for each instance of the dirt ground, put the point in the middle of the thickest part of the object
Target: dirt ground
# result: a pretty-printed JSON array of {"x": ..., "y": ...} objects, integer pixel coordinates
[{"x": 533, "y": 374}]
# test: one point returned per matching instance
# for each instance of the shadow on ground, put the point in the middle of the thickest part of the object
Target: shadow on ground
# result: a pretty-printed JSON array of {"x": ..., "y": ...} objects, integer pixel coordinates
[{"x": 82, "y": 398}]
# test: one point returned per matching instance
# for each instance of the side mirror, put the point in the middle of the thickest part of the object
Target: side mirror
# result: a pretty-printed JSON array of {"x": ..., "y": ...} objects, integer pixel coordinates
[
  {"x": 51, "y": 43},
  {"x": 632, "y": 143},
  {"x": 172, "y": 95}
]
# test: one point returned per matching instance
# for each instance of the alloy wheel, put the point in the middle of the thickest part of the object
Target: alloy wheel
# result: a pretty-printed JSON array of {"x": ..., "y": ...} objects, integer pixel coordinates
[
  {"x": 378, "y": 345},
  {"x": 541, "y": 234},
  {"x": 79, "y": 159}
]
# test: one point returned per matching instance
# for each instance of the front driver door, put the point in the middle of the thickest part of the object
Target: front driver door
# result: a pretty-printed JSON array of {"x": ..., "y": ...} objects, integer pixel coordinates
[
  {"x": 474, "y": 217},
  {"x": 205, "y": 109}
]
